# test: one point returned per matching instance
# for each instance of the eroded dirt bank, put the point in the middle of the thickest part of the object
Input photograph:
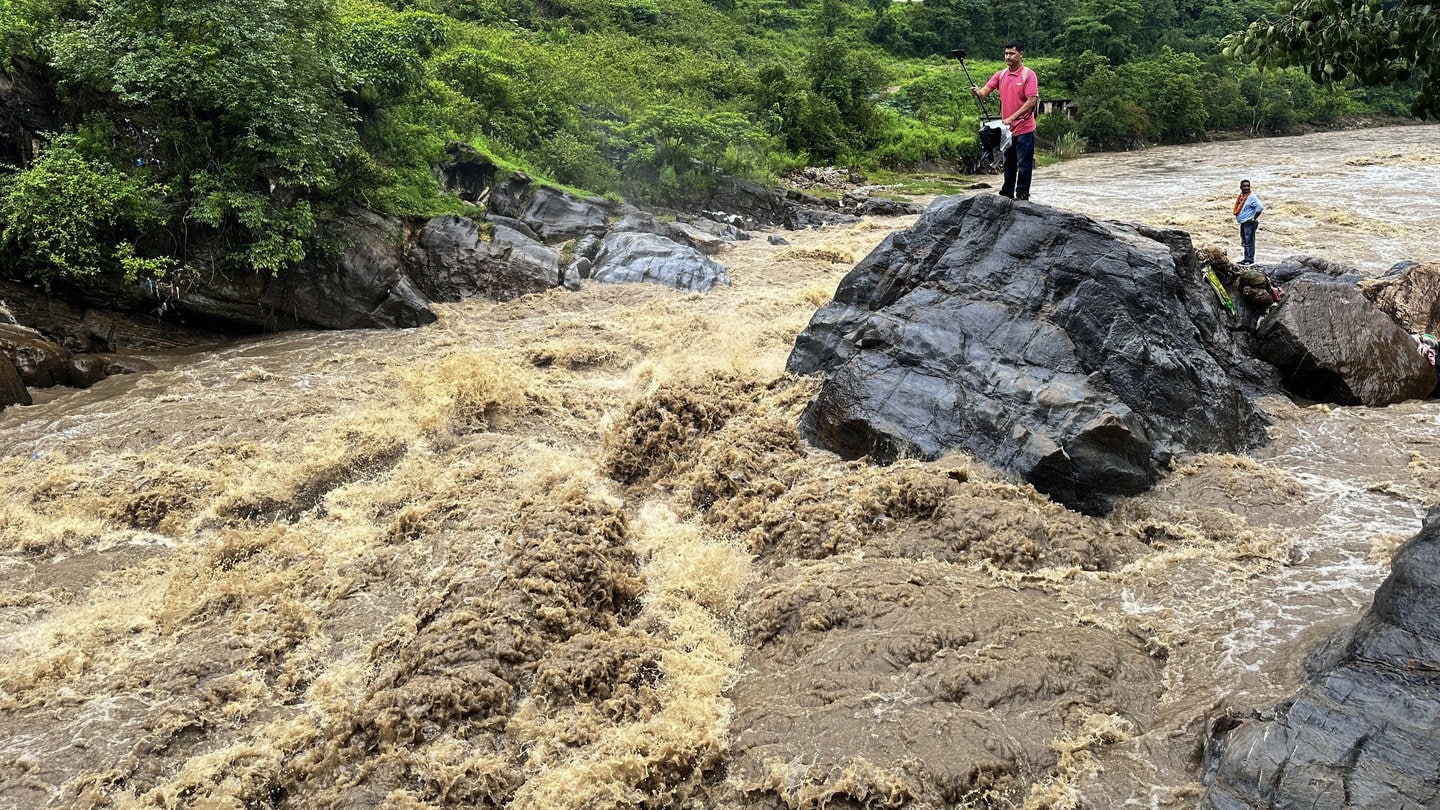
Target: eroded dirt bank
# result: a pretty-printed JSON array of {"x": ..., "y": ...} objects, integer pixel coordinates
[{"x": 569, "y": 551}]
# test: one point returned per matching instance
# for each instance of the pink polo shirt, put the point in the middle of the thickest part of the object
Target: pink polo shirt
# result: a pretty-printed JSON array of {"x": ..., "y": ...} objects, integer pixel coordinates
[{"x": 1015, "y": 87}]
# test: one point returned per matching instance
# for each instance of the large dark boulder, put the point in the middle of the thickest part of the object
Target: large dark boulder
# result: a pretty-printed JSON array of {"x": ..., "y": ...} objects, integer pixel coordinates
[
  {"x": 758, "y": 205},
  {"x": 1410, "y": 294},
  {"x": 1080, "y": 355},
  {"x": 366, "y": 287},
  {"x": 554, "y": 215},
  {"x": 651, "y": 258},
  {"x": 452, "y": 260},
  {"x": 557, "y": 216},
  {"x": 1364, "y": 731},
  {"x": 1314, "y": 268},
  {"x": 40, "y": 363},
  {"x": 883, "y": 207},
  {"x": 12, "y": 388},
  {"x": 363, "y": 286},
  {"x": 1332, "y": 345}
]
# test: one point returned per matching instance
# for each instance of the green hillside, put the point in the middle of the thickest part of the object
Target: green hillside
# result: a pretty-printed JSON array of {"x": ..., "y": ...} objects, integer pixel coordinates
[{"x": 226, "y": 133}]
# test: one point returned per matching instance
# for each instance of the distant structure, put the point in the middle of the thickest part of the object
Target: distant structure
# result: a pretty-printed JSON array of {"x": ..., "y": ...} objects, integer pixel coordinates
[{"x": 1057, "y": 105}]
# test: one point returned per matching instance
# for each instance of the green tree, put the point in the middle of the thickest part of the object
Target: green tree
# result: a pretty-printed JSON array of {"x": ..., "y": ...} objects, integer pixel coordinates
[
  {"x": 968, "y": 24},
  {"x": 848, "y": 79},
  {"x": 1168, "y": 88},
  {"x": 681, "y": 149},
  {"x": 238, "y": 107},
  {"x": 1109, "y": 113},
  {"x": 1106, "y": 27},
  {"x": 1379, "y": 43}
]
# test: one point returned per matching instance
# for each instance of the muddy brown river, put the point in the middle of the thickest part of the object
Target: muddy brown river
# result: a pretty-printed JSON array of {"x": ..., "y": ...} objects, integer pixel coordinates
[{"x": 568, "y": 551}]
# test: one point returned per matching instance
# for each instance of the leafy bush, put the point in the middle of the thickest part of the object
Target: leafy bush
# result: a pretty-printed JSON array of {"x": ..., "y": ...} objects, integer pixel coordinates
[
  {"x": 1052, "y": 126},
  {"x": 68, "y": 214},
  {"x": 907, "y": 143},
  {"x": 1068, "y": 145}
]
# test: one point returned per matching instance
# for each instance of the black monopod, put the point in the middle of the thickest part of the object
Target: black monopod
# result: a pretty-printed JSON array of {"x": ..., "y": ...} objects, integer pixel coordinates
[{"x": 959, "y": 55}]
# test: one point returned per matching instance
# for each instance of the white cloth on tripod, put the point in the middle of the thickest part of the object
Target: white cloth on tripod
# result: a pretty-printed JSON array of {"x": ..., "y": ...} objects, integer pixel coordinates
[{"x": 1004, "y": 133}]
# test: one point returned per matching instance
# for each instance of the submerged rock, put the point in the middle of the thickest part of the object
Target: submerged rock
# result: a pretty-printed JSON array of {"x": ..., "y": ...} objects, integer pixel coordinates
[
  {"x": 1332, "y": 345},
  {"x": 1365, "y": 729},
  {"x": 12, "y": 388},
  {"x": 1077, "y": 354}
]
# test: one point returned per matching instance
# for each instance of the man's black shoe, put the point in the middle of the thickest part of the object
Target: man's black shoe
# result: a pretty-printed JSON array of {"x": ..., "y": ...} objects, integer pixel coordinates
[
  {"x": 1022, "y": 196},
  {"x": 1007, "y": 194}
]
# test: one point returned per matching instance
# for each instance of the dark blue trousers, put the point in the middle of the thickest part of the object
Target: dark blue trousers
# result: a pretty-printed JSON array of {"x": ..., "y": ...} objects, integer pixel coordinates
[
  {"x": 1019, "y": 163},
  {"x": 1247, "y": 238}
]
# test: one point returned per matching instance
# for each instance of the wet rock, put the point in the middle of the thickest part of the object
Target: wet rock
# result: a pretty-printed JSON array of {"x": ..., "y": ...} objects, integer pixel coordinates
[
  {"x": 364, "y": 287},
  {"x": 587, "y": 247},
  {"x": 634, "y": 220},
  {"x": 727, "y": 231},
  {"x": 756, "y": 203},
  {"x": 508, "y": 197},
  {"x": 40, "y": 363},
  {"x": 748, "y": 204},
  {"x": 707, "y": 236},
  {"x": 556, "y": 215},
  {"x": 467, "y": 174},
  {"x": 452, "y": 260},
  {"x": 514, "y": 225},
  {"x": 1410, "y": 294},
  {"x": 125, "y": 364},
  {"x": 1314, "y": 267},
  {"x": 86, "y": 370},
  {"x": 810, "y": 211},
  {"x": 1028, "y": 338},
  {"x": 882, "y": 207},
  {"x": 1364, "y": 731},
  {"x": 552, "y": 214},
  {"x": 631, "y": 257},
  {"x": 703, "y": 241},
  {"x": 27, "y": 106},
  {"x": 1332, "y": 345},
  {"x": 83, "y": 327},
  {"x": 12, "y": 388}
]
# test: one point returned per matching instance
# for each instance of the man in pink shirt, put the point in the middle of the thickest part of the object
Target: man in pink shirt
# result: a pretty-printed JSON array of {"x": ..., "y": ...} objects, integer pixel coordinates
[{"x": 1019, "y": 95}]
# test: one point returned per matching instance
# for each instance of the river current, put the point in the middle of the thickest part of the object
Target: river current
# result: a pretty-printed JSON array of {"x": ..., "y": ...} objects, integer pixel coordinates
[{"x": 565, "y": 551}]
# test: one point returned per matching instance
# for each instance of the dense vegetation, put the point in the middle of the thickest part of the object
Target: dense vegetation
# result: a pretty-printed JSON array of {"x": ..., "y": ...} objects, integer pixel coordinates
[{"x": 225, "y": 133}]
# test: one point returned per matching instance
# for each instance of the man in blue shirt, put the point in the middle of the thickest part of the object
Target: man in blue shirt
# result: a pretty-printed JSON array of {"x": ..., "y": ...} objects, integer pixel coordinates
[{"x": 1247, "y": 213}]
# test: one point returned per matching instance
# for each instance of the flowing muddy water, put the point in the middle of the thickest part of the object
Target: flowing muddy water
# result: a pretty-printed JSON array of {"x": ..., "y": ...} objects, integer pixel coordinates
[{"x": 568, "y": 551}]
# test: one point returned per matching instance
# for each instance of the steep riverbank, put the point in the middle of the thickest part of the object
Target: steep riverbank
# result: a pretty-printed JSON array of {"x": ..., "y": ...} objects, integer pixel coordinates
[{"x": 570, "y": 551}]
